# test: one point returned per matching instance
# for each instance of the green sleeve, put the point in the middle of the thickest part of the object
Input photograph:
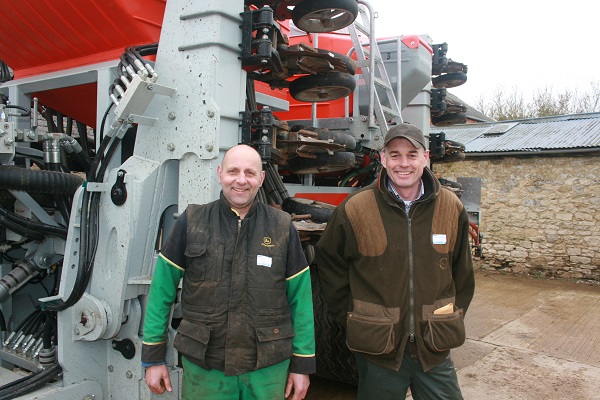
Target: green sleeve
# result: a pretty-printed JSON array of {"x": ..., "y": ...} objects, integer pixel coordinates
[
  {"x": 299, "y": 293},
  {"x": 163, "y": 291}
]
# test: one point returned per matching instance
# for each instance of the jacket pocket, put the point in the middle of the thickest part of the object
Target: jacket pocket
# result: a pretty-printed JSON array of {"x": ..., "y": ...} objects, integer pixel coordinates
[
  {"x": 205, "y": 262},
  {"x": 444, "y": 331},
  {"x": 274, "y": 344},
  {"x": 370, "y": 328},
  {"x": 192, "y": 340}
]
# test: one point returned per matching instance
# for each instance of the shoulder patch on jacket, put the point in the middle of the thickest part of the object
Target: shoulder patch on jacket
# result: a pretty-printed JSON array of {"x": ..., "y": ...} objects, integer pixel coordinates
[
  {"x": 364, "y": 216},
  {"x": 445, "y": 220}
]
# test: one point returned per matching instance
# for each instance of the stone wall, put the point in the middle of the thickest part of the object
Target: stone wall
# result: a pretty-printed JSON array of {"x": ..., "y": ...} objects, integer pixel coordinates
[{"x": 540, "y": 215}]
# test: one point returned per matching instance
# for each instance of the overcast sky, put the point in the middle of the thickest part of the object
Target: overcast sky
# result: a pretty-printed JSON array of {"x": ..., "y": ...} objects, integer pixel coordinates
[{"x": 526, "y": 45}]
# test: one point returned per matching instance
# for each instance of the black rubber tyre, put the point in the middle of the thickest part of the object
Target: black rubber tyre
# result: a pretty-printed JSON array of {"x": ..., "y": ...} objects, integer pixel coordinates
[
  {"x": 449, "y": 119},
  {"x": 322, "y": 87},
  {"x": 449, "y": 158},
  {"x": 449, "y": 183},
  {"x": 449, "y": 80},
  {"x": 334, "y": 360},
  {"x": 320, "y": 212},
  {"x": 337, "y": 137},
  {"x": 324, "y": 15},
  {"x": 340, "y": 138},
  {"x": 309, "y": 253},
  {"x": 322, "y": 163}
]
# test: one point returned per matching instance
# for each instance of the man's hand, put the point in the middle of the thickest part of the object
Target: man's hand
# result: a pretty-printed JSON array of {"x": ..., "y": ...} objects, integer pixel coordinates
[
  {"x": 157, "y": 378},
  {"x": 297, "y": 386}
]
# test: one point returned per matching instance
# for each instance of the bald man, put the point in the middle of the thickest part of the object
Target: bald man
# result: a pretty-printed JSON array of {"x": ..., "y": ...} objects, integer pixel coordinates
[{"x": 247, "y": 330}]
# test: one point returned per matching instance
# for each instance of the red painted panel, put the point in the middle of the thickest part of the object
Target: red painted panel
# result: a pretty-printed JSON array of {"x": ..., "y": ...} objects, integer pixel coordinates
[
  {"x": 52, "y": 35},
  {"x": 329, "y": 198}
]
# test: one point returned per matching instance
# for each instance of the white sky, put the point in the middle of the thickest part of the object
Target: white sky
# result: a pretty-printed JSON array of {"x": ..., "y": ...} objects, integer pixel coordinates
[{"x": 524, "y": 45}]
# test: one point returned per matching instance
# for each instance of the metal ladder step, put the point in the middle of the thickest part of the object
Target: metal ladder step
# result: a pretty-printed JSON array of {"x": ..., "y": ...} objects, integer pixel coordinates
[
  {"x": 373, "y": 71},
  {"x": 382, "y": 84},
  {"x": 362, "y": 29},
  {"x": 390, "y": 112}
]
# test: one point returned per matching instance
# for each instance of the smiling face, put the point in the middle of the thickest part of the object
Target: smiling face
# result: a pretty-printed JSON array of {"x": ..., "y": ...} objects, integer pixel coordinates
[
  {"x": 240, "y": 176},
  {"x": 404, "y": 164}
]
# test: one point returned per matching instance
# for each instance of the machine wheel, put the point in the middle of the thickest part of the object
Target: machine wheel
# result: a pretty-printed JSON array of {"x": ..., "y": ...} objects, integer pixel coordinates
[
  {"x": 449, "y": 183},
  {"x": 334, "y": 360},
  {"x": 319, "y": 211},
  {"x": 322, "y": 87},
  {"x": 309, "y": 253},
  {"x": 316, "y": 16},
  {"x": 449, "y": 80},
  {"x": 344, "y": 139},
  {"x": 322, "y": 163},
  {"x": 449, "y": 119},
  {"x": 340, "y": 138}
]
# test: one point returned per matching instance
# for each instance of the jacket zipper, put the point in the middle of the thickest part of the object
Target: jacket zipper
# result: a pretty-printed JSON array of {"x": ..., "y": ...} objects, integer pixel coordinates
[
  {"x": 411, "y": 286},
  {"x": 239, "y": 229}
]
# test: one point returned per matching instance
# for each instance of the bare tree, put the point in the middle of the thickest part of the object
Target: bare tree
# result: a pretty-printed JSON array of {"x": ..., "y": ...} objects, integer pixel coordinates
[
  {"x": 511, "y": 105},
  {"x": 504, "y": 105},
  {"x": 589, "y": 102}
]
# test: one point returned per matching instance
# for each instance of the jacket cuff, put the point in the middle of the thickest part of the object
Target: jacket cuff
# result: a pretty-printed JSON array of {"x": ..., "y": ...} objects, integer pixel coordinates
[
  {"x": 147, "y": 364},
  {"x": 303, "y": 365},
  {"x": 154, "y": 353}
]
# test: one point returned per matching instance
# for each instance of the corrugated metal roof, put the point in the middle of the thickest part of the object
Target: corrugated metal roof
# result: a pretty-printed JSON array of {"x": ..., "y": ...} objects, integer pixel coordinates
[{"x": 580, "y": 131}]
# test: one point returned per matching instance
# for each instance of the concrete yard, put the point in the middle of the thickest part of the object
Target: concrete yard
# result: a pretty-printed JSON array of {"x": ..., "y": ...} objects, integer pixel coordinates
[{"x": 527, "y": 339}]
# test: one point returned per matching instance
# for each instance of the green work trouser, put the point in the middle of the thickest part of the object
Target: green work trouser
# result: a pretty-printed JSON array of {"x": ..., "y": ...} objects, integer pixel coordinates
[
  {"x": 375, "y": 382},
  {"x": 264, "y": 384}
]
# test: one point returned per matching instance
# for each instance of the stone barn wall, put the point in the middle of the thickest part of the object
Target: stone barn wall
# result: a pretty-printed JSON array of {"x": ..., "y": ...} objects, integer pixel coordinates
[{"x": 540, "y": 215}]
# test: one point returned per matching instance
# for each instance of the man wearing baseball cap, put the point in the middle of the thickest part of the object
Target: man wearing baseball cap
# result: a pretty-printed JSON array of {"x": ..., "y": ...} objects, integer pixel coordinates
[{"x": 396, "y": 271}]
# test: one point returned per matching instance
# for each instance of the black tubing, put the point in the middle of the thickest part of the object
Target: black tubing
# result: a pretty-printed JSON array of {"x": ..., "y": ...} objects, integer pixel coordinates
[
  {"x": 24, "y": 321},
  {"x": 82, "y": 278},
  {"x": 20, "y": 229},
  {"x": 33, "y": 382},
  {"x": 50, "y": 320},
  {"x": 25, "y": 110},
  {"x": 47, "y": 334},
  {"x": 50, "y": 182},
  {"x": 46, "y": 229}
]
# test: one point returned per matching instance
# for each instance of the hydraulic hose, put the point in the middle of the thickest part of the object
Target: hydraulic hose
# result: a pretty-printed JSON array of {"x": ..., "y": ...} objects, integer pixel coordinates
[
  {"x": 88, "y": 240},
  {"x": 24, "y": 270},
  {"x": 2, "y": 322},
  {"x": 48, "y": 332},
  {"x": 83, "y": 141},
  {"x": 51, "y": 230},
  {"x": 27, "y": 318},
  {"x": 25, "y": 110},
  {"x": 49, "y": 182},
  {"x": 31, "y": 383},
  {"x": 83, "y": 272},
  {"x": 20, "y": 229}
]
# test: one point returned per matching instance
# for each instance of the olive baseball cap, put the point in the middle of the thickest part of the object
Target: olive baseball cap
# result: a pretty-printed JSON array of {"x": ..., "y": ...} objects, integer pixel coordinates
[{"x": 408, "y": 132}]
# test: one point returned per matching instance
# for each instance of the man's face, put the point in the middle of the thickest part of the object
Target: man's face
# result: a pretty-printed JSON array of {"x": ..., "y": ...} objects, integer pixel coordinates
[
  {"x": 240, "y": 176},
  {"x": 404, "y": 164}
]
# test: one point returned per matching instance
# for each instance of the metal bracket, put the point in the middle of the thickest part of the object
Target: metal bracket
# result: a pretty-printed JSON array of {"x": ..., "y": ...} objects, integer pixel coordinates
[
  {"x": 97, "y": 187},
  {"x": 138, "y": 95}
]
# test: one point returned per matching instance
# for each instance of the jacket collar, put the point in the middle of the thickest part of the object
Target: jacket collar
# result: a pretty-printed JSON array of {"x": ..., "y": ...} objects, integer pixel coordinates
[
  {"x": 229, "y": 212},
  {"x": 431, "y": 185}
]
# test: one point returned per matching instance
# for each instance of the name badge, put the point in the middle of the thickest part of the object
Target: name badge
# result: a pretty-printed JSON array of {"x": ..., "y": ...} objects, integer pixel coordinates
[
  {"x": 439, "y": 238},
  {"x": 264, "y": 261}
]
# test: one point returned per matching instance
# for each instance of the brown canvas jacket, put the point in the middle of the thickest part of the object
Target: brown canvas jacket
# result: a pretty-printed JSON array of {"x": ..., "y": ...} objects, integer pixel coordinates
[{"x": 384, "y": 272}]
